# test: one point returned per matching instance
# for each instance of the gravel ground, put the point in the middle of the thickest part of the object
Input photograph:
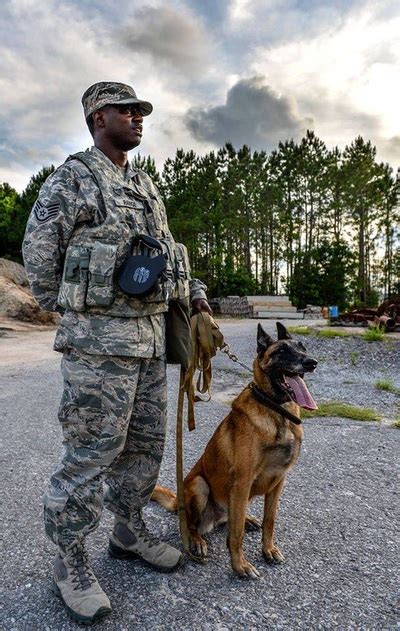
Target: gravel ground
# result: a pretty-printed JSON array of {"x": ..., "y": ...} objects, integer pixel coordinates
[{"x": 337, "y": 525}]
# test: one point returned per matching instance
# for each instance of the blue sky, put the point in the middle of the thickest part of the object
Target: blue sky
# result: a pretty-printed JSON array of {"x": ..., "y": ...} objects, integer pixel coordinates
[{"x": 245, "y": 71}]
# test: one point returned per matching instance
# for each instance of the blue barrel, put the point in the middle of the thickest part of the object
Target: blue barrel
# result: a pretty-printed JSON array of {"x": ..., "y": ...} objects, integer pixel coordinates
[{"x": 333, "y": 311}]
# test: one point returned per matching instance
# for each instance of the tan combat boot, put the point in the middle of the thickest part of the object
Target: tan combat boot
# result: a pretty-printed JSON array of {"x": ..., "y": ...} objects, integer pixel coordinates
[
  {"x": 77, "y": 586},
  {"x": 131, "y": 539}
]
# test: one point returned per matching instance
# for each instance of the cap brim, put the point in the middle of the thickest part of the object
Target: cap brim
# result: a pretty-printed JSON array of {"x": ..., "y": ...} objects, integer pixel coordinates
[{"x": 145, "y": 106}]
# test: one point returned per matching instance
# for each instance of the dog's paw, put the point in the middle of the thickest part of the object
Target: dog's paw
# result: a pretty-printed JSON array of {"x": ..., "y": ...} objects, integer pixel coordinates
[
  {"x": 198, "y": 546},
  {"x": 247, "y": 570},
  {"x": 251, "y": 523},
  {"x": 273, "y": 555}
]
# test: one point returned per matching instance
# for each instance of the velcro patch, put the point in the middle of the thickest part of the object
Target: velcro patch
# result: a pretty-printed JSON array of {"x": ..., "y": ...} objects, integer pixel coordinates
[{"x": 44, "y": 213}]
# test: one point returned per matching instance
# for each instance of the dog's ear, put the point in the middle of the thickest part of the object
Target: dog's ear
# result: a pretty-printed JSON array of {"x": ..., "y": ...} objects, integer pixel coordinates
[
  {"x": 263, "y": 340},
  {"x": 283, "y": 333}
]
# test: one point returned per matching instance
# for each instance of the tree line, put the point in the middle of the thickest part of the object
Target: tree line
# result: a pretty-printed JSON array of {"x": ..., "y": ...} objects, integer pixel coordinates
[{"x": 321, "y": 224}]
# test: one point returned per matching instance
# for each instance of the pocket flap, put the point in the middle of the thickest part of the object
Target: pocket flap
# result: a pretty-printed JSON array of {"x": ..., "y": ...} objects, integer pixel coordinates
[{"x": 102, "y": 263}]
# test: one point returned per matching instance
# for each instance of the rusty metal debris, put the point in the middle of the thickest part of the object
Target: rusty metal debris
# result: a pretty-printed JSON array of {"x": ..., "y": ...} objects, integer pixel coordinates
[{"x": 387, "y": 316}]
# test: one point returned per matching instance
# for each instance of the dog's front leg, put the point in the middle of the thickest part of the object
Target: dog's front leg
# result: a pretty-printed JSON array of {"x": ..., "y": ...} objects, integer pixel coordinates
[
  {"x": 271, "y": 552},
  {"x": 196, "y": 498},
  {"x": 238, "y": 500}
]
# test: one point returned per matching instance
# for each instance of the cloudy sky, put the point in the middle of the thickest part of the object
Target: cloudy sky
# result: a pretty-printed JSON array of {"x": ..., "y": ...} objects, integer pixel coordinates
[{"x": 247, "y": 71}]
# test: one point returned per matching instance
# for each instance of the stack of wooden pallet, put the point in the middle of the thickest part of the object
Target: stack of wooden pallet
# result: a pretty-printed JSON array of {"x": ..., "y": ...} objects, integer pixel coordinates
[
  {"x": 275, "y": 307},
  {"x": 235, "y": 306}
]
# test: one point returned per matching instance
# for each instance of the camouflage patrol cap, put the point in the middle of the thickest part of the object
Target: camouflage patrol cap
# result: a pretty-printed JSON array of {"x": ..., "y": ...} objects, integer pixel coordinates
[{"x": 111, "y": 93}]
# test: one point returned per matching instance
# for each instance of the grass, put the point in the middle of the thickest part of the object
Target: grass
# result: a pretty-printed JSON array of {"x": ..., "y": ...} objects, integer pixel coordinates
[
  {"x": 343, "y": 410},
  {"x": 299, "y": 330},
  {"x": 374, "y": 334},
  {"x": 332, "y": 333},
  {"x": 396, "y": 423},
  {"x": 354, "y": 357},
  {"x": 387, "y": 385}
]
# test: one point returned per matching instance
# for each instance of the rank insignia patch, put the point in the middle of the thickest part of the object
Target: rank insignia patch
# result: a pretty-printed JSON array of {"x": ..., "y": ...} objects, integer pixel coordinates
[{"x": 44, "y": 213}]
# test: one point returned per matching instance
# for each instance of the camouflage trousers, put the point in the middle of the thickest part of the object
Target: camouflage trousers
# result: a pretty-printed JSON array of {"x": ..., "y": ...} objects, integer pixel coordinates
[{"x": 113, "y": 417}]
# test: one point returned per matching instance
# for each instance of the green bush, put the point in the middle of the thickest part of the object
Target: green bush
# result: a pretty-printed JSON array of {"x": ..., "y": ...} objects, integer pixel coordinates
[
  {"x": 322, "y": 276},
  {"x": 374, "y": 334},
  {"x": 237, "y": 282},
  {"x": 14, "y": 213}
]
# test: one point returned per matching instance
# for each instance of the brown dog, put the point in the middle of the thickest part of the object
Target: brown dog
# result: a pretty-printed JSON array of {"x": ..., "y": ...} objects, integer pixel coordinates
[{"x": 249, "y": 454}]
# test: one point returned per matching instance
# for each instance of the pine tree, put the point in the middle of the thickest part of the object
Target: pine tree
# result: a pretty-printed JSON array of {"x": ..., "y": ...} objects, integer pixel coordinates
[
  {"x": 361, "y": 176},
  {"x": 148, "y": 165},
  {"x": 8, "y": 210},
  {"x": 389, "y": 224}
]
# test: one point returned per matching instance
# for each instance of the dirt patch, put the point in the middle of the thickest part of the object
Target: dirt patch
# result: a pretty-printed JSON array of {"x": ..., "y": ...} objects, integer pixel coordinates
[
  {"x": 16, "y": 300},
  {"x": 26, "y": 346}
]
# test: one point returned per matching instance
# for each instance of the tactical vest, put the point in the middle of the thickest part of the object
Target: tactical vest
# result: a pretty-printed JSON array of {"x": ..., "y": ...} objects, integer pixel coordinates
[{"x": 96, "y": 251}]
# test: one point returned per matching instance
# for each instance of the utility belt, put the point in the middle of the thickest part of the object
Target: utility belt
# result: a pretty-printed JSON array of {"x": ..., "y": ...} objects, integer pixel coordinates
[{"x": 154, "y": 272}]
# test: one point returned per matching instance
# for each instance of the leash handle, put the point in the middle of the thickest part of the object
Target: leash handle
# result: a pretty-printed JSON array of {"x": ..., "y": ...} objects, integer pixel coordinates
[
  {"x": 183, "y": 527},
  {"x": 207, "y": 338}
]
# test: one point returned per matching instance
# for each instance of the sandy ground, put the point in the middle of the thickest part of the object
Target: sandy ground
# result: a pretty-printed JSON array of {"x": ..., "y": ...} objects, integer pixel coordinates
[{"x": 27, "y": 347}]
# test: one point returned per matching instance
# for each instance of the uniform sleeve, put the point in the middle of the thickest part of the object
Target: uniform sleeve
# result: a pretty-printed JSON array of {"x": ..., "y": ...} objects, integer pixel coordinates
[
  {"x": 197, "y": 289},
  {"x": 48, "y": 230}
]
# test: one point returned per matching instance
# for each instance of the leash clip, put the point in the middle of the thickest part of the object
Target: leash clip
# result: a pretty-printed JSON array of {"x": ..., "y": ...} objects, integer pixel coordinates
[{"x": 233, "y": 357}]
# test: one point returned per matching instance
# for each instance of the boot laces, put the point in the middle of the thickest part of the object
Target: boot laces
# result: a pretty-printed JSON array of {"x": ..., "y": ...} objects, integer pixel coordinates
[
  {"x": 81, "y": 572},
  {"x": 145, "y": 535}
]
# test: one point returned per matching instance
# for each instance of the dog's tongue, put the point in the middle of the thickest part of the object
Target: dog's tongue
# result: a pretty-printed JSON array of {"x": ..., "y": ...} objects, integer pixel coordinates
[{"x": 302, "y": 395}]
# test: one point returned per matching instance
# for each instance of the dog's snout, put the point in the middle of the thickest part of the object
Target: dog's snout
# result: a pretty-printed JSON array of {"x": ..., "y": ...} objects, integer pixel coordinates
[{"x": 310, "y": 364}]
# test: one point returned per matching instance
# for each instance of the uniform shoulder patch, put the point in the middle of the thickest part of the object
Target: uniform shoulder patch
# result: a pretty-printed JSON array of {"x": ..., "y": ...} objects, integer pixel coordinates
[{"x": 44, "y": 213}]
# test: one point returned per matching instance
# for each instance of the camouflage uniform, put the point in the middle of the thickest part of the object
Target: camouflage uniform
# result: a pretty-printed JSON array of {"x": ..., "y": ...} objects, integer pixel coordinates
[{"x": 113, "y": 408}]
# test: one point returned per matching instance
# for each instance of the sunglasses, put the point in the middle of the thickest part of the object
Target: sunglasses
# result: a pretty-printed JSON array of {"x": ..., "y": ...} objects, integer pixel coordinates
[{"x": 128, "y": 110}]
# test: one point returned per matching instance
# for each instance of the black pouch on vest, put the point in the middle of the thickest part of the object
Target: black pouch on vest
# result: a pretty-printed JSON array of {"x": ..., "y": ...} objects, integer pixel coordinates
[
  {"x": 178, "y": 333},
  {"x": 139, "y": 273}
]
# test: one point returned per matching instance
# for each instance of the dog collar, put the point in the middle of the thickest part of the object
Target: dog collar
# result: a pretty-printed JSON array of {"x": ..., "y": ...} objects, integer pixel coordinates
[{"x": 263, "y": 398}]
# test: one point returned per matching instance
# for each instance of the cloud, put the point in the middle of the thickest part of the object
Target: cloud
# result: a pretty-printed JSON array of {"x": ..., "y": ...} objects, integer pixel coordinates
[
  {"x": 345, "y": 77},
  {"x": 49, "y": 54},
  {"x": 172, "y": 38},
  {"x": 253, "y": 114},
  {"x": 390, "y": 150},
  {"x": 253, "y": 72},
  {"x": 213, "y": 13},
  {"x": 239, "y": 10},
  {"x": 276, "y": 21}
]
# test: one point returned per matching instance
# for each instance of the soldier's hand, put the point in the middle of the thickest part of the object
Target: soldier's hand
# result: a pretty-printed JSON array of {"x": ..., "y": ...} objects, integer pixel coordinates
[{"x": 200, "y": 304}]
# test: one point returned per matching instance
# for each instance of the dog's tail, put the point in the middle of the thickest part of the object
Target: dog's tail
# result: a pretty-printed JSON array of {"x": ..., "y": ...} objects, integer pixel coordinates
[{"x": 165, "y": 497}]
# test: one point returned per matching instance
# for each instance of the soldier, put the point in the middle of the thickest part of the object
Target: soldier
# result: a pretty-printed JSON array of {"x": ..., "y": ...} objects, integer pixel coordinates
[{"x": 113, "y": 407}]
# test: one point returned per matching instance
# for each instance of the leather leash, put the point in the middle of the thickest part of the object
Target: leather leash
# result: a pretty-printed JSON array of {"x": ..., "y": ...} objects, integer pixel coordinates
[
  {"x": 183, "y": 527},
  {"x": 206, "y": 339}
]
